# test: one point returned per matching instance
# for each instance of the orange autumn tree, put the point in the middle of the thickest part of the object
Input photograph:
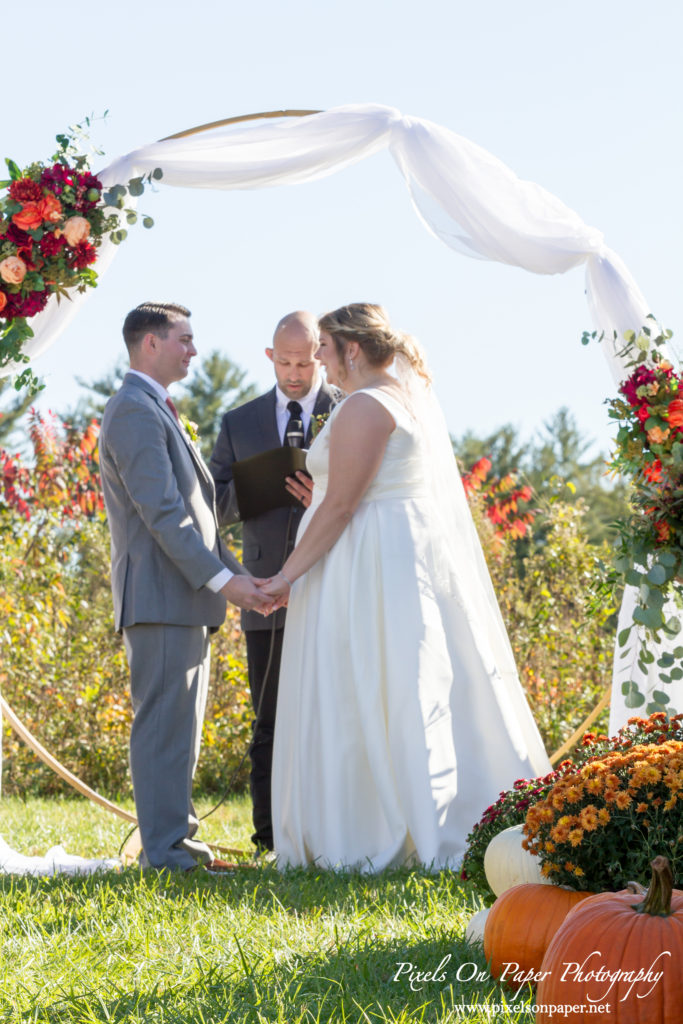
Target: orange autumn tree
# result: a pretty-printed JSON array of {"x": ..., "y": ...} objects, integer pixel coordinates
[{"x": 544, "y": 571}]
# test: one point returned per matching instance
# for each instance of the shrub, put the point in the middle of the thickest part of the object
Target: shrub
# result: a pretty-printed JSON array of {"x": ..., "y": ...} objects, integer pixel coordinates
[{"x": 63, "y": 667}]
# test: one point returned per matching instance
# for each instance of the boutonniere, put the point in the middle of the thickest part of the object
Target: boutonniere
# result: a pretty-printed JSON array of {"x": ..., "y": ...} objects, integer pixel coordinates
[
  {"x": 190, "y": 428},
  {"x": 318, "y": 422}
]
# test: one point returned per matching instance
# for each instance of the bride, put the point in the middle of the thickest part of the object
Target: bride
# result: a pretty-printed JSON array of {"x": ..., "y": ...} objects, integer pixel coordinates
[{"x": 400, "y": 715}]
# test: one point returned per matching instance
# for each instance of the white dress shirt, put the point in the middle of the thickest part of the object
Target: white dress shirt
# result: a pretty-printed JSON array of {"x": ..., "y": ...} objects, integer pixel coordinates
[{"x": 217, "y": 582}]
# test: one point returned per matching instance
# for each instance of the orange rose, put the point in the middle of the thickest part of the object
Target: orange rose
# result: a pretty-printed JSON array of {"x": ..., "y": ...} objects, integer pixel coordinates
[
  {"x": 657, "y": 435},
  {"x": 50, "y": 209},
  {"x": 29, "y": 217},
  {"x": 3, "y": 301},
  {"x": 12, "y": 270},
  {"x": 676, "y": 412},
  {"x": 76, "y": 229}
]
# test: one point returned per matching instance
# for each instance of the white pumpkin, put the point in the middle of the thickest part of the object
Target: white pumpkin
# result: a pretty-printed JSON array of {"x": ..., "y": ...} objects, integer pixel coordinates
[
  {"x": 507, "y": 863},
  {"x": 475, "y": 926}
]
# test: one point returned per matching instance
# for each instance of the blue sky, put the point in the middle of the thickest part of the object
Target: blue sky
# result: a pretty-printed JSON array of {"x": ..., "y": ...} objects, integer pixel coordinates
[{"x": 583, "y": 98}]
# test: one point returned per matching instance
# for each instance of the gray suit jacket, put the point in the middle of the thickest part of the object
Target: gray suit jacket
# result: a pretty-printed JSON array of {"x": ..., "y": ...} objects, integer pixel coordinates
[
  {"x": 246, "y": 431},
  {"x": 160, "y": 502}
]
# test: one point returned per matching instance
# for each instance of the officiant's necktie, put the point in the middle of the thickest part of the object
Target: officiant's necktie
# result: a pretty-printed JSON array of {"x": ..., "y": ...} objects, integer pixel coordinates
[
  {"x": 294, "y": 431},
  {"x": 173, "y": 409}
]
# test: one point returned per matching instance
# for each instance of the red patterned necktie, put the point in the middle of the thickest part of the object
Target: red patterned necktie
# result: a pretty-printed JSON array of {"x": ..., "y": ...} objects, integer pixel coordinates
[{"x": 173, "y": 409}]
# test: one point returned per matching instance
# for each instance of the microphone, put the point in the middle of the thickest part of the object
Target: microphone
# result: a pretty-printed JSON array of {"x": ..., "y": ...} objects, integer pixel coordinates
[{"x": 294, "y": 431}]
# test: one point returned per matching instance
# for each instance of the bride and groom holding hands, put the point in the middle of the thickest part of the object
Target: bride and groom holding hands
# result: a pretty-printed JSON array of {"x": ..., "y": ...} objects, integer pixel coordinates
[{"x": 400, "y": 715}]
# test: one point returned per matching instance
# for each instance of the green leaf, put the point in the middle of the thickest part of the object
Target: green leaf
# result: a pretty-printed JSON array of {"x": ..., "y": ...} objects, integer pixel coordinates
[
  {"x": 678, "y": 652},
  {"x": 136, "y": 187},
  {"x": 657, "y": 574},
  {"x": 647, "y": 657},
  {"x": 157, "y": 174},
  {"x": 14, "y": 171},
  {"x": 623, "y": 636},
  {"x": 147, "y": 222},
  {"x": 633, "y": 578},
  {"x": 649, "y": 617},
  {"x": 131, "y": 217},
  {"x": 676, "y": 673},
  {"x": 661, "y": 697},
  {"x": 634, "y": 698},
  {"x": 666, "y": 660},
  {"x": 673, "y": 626},
  {"x": 667, "y": 558}
]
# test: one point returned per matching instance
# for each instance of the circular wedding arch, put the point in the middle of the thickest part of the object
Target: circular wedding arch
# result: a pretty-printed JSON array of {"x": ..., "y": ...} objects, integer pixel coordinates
[{"x": 560, "y": 241}]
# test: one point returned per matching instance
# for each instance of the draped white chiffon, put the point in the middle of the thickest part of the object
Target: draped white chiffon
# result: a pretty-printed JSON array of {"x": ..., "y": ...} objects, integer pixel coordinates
[{"x": 400, "y": 717}]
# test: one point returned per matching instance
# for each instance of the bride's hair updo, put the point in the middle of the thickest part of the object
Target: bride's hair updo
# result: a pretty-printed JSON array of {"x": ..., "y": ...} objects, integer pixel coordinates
[{"x": 368, "y": 325}]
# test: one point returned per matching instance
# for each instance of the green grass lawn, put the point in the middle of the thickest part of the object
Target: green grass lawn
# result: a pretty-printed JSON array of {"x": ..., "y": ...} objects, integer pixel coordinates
[{"x": 254, "y": 946}]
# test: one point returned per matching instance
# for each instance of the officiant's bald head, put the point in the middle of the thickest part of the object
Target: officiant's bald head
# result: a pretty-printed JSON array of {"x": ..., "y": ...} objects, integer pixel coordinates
[{"x": 295, "y": 343}]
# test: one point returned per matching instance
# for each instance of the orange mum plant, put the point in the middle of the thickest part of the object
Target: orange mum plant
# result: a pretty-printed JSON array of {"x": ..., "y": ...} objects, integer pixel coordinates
[{"x": 601, "y": 824}]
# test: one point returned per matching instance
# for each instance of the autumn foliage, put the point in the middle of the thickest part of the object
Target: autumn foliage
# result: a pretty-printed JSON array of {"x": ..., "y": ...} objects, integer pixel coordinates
[{"x": 63, "y": 668}]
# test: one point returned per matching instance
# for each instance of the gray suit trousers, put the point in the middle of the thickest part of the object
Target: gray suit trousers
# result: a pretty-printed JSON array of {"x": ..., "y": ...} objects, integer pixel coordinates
[{"x": 169, "y": 677}]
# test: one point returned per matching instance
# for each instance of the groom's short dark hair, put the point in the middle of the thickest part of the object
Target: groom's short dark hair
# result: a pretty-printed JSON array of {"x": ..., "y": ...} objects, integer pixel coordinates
[{"x": 154, "y": 317}]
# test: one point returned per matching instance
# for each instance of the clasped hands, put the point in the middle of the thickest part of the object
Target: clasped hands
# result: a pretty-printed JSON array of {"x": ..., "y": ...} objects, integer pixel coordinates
[{"x": 257, "y": 595}]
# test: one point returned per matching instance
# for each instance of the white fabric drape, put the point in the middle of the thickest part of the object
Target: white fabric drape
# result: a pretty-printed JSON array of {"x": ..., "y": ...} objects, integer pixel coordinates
[
  {"x": 464, "y": 195},
  {"x": 56, "y": 861}
]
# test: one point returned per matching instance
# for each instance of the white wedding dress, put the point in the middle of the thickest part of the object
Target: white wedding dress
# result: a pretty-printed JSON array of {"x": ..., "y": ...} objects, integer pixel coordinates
[{"x": 400, "y": 715}]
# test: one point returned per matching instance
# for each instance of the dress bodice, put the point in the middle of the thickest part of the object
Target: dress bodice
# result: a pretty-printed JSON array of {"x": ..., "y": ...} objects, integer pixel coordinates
[{"x": 401, "y": 473}]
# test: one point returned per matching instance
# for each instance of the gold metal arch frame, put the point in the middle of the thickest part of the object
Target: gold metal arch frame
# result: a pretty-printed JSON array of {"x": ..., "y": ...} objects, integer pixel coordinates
[{"x": 236, "y": 120}]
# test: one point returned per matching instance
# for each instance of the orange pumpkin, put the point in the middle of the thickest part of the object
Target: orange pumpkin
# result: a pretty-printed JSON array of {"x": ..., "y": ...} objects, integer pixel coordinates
[
  {"x": 520, "y": 926},
  {"x": 621, "y": 950}
]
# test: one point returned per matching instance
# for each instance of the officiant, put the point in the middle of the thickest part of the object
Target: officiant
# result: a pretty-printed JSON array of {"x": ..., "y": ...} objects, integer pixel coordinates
[{"x": 282, "y": 416}]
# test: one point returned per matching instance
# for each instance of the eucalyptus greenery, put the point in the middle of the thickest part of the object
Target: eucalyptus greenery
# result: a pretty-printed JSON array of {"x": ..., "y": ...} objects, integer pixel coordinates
[{"x": 648, "y": 552}]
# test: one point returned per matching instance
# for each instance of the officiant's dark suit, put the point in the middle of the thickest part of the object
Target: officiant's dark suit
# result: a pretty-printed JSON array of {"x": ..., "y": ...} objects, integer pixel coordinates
[
  {"x": 253, "y": 428},
  {"x": 170, "y": 576}
]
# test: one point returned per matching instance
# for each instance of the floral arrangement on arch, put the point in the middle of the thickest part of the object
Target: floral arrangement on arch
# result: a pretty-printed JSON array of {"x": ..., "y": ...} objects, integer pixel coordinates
[
  {"x": 649, "y": 551},
  {"x": 53, "y": 218}
]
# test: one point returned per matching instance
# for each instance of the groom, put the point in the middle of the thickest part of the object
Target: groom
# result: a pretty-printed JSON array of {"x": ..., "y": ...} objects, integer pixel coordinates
[{"x": 170, "y": 576}]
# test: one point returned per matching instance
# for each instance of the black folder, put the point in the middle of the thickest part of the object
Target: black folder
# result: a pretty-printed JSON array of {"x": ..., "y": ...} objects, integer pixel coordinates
[{"x": 260, "y": 480}]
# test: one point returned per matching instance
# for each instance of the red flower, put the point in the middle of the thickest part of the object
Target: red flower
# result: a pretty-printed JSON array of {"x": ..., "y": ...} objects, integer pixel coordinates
[
  {"x": 639, "y": 377},
  {"x": 56, "y": 177},
  {"x": 16, "y": 235},
  {"x": 643, "y": 414},
  {"x": 25, "y": 306},
  {"x": 25, "y": 191},
  {"x": 50, "y": 245},
  {"x": 83, "y": 254},
  {"x": 653, "y": 471}
]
